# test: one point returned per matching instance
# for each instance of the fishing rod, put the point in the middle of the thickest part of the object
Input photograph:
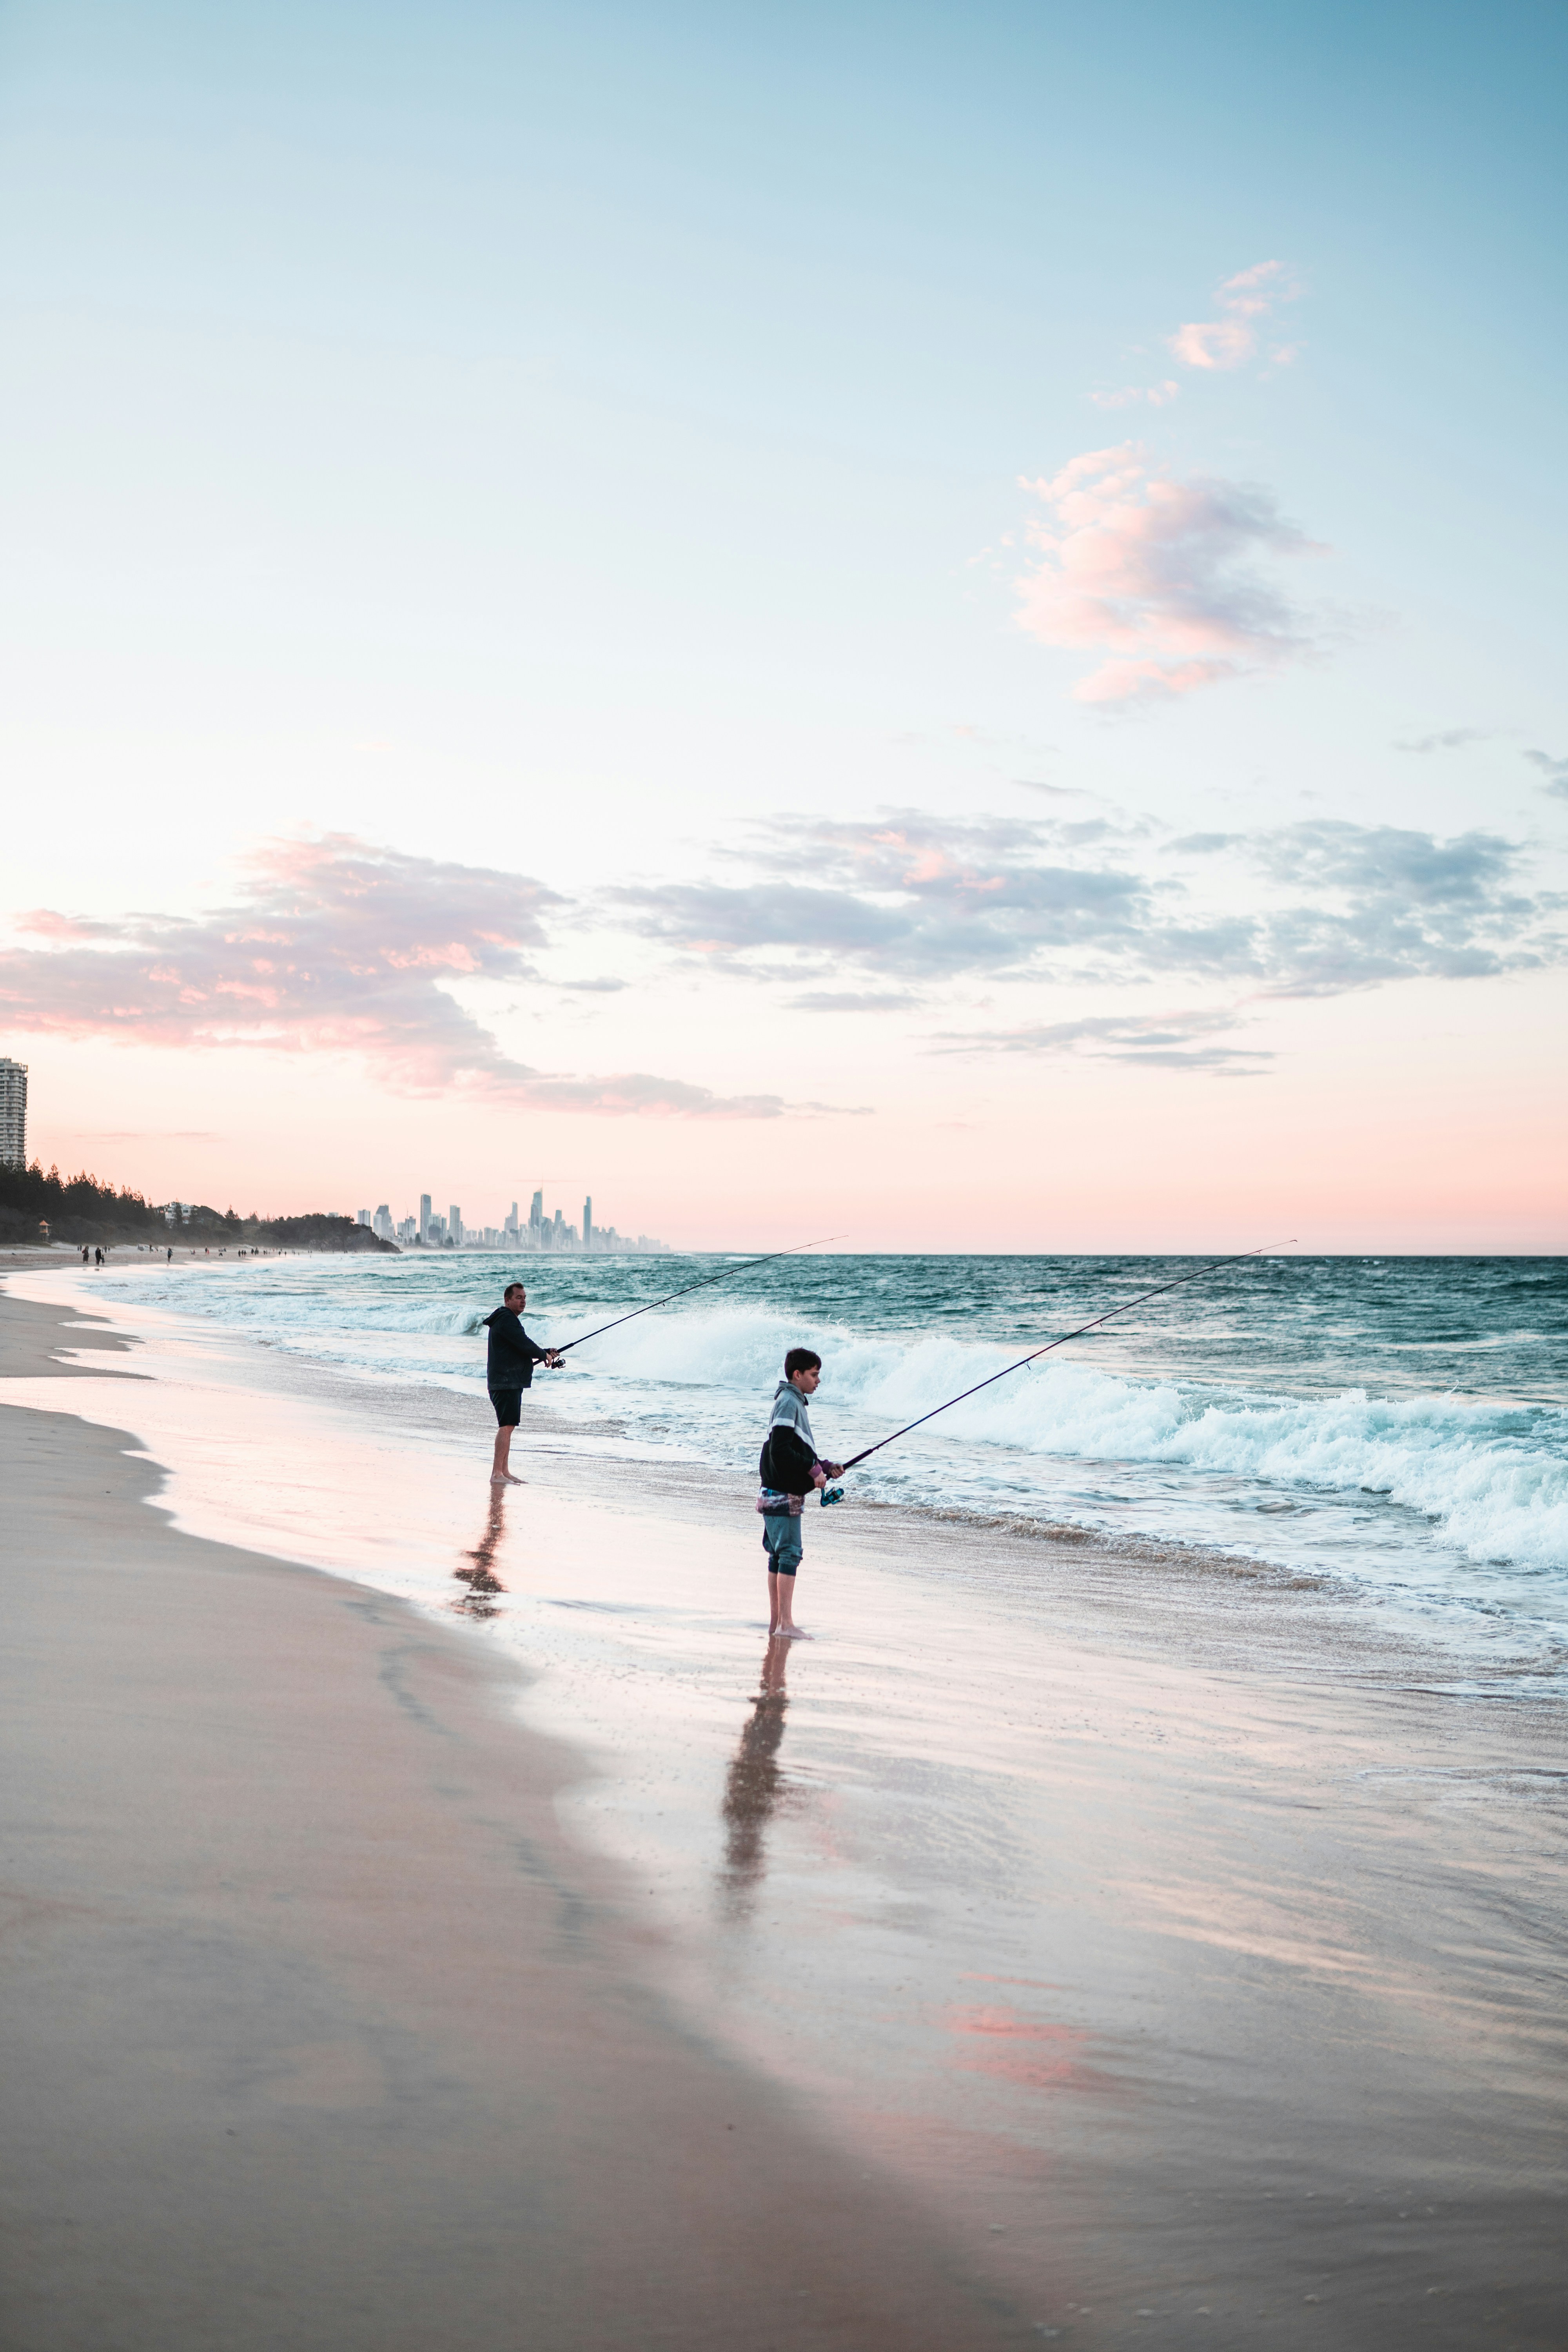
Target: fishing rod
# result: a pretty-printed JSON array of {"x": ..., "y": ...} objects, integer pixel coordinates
[
  {"x": 724, "y": 1275},
  {"x": 1127, "y": 1304}
]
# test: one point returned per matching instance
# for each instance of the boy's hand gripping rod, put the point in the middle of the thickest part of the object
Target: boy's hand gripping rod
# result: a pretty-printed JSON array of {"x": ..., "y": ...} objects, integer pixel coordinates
[
  {"x": 723, "y": 1276},
  {"x": 1125, "y": 1307}
]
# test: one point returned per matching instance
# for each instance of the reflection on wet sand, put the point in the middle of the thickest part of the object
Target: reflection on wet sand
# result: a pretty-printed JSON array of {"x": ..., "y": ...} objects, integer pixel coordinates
[
  {"x": 754, "y": 1784},
  {"x": 479, "y": 1569}
]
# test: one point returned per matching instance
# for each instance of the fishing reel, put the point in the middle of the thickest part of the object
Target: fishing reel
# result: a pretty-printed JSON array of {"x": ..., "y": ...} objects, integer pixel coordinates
[{"x": 830, "y": 1495}]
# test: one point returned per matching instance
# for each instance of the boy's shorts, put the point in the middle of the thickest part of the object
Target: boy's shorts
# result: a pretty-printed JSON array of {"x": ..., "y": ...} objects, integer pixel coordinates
[{"x": 782, "y": 1534}]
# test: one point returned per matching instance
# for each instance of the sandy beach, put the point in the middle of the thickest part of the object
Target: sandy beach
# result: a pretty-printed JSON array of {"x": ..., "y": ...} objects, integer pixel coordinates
[
  {"x": 440, "y": 1921},
  {"x": 318, "y": 2032}
]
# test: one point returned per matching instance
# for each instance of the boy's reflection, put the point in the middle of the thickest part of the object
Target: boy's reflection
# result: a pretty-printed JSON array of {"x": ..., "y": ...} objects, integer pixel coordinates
[
  {"x": 755, "y": 1785},
  {"x": 478, "y": 1571}
]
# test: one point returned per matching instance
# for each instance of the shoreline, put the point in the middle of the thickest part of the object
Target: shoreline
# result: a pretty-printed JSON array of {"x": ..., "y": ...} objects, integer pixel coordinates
[
  {"x": 1099, "y": 1560},
  {"x": 1398, "y": 1580},
  {"x": 891, "y": 1892}
]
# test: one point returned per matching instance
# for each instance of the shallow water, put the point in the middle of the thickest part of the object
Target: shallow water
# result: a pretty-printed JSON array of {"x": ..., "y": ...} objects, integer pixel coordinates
[{"x": 1399, "y": 1425}]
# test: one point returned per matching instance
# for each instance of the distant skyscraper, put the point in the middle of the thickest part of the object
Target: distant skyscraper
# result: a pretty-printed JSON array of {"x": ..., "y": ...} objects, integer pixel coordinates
[
  {"x": 536, "y": 1214},
  {"x": 423, "y": 1217},
  {"x": 381, "y": 1223},
  {"x": 588, "y": 1222},
  {"x": 510, "y": 1228},
  {"x": 363, "y": 1217},
  {"x": 13, "y": 1113},
  {"x": 454, "y": 1226}
]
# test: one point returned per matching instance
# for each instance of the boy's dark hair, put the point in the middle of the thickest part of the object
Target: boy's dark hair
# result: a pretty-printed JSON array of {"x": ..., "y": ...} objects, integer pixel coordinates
[{"x": 801, "y": 1359}]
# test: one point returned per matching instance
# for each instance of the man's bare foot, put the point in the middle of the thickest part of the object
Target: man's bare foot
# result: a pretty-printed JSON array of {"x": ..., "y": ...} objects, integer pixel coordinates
[
  {"x": 791, "y": 1634},
  {"x": 506, "y": 1479}
]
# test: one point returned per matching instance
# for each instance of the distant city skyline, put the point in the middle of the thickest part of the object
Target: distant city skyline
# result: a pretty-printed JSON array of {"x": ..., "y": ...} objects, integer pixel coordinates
[{"x": 424, "y": 1228}]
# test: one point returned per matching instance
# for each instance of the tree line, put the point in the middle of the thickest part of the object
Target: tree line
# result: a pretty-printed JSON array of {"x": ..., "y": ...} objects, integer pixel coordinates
[{"x": 80, "y": 1209}]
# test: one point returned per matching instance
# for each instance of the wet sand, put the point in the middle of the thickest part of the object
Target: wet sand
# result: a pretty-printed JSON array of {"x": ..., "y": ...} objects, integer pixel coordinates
[{"x": 1177, "y": 1954}]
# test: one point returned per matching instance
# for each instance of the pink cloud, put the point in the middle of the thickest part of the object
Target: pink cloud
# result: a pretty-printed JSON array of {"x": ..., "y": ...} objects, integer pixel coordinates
[
  {"x": 1253, "y": 292},
  {"x": 1150, "y": 681},
  {"x": 1159, "y": 574},
  {"x": 1156, "y": 396},
  {"x": 339, "y": 947},
  {"x": 1214, "y": 343},
  {"x": 1229, "y": 342}
]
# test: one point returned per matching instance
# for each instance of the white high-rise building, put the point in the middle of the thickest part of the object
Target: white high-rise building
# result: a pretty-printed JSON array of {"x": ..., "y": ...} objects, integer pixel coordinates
[
  {"x": 423, "y": 1217},
  {"x": 455, "y": 1226},
  {"x": 381, "y": 1223},
  {"x": 363, "y": 1218},
  {"x": 13, "y": 1113}
]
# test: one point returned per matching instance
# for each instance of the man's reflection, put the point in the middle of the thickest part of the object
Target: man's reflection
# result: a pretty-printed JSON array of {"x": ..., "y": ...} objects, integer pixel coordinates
[
  {"x": 478, "y": 1570},
  {"x": 755, "y": 1785}
]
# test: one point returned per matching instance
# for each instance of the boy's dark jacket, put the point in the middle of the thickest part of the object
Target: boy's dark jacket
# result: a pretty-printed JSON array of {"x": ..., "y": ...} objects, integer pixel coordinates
[
  {"x": 787, "y": 1462},
  {"x": 512, "y": 1354}
]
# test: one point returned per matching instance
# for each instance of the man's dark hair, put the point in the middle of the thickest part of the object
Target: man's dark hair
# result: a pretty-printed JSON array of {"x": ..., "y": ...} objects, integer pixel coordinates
[
  {"x": 801, "y": 1359},
  {"x": 511, "y": 1287}
]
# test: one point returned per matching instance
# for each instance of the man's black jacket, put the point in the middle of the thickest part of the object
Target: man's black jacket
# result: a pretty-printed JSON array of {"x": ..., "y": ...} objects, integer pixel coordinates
[{"x": 513, "y": 1354}]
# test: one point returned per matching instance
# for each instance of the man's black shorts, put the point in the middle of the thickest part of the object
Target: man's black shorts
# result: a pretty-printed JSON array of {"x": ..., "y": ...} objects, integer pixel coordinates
[{"x": 508, "y": 1403}]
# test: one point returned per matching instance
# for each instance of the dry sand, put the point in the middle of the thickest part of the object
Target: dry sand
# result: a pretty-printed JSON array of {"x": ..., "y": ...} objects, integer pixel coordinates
[{"x": 1170, "y": 1960}]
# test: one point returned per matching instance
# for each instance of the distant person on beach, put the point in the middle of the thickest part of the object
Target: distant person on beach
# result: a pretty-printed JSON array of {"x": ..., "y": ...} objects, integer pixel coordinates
[
  {"x": 98, "y": 1257},
  {"x": 509, "y": 1370},
  {"x": 84, "y": 1253},
  {"x": 790, "y": 1469}
]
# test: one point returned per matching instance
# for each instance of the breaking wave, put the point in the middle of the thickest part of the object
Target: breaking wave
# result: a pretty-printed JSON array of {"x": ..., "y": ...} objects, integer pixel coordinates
[
  {"x": 1325, "y": 1443},
  {"x": 1492, "y": 1478}
]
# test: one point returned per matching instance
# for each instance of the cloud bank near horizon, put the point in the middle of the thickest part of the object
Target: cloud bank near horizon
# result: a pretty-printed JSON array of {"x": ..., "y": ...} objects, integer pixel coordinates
[
  {"x": 339, "y": 947},
  {"x": 1329, "y": 907}
]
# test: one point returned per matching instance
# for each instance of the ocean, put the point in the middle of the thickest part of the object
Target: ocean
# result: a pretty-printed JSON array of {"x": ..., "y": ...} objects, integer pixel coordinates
[{"x": 1395, "y": 1427}]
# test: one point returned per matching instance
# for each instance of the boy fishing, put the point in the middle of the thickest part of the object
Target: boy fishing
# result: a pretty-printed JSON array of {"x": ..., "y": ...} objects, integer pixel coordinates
[{"x": 790, "y": 1469}]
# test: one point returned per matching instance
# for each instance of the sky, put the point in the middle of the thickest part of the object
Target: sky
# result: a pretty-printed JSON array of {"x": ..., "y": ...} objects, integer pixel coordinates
[{"x": 935, "y": 622}]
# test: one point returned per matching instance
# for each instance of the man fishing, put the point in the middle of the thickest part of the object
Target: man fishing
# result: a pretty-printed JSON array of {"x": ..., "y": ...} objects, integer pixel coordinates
[
  {"x": 789, "y": 1468},
  {"x": 509, "y": 1370}
]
